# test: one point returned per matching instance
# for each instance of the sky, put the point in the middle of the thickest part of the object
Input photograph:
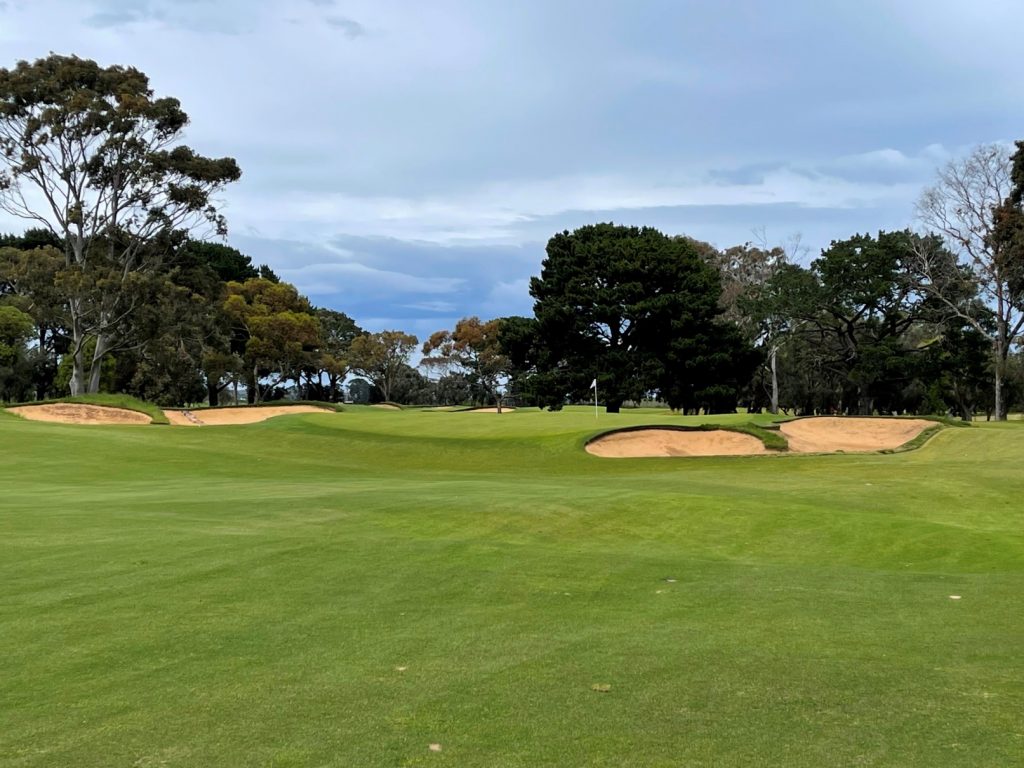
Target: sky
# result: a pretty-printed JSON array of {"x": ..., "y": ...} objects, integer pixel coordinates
[{"x": 405, "y": 162}]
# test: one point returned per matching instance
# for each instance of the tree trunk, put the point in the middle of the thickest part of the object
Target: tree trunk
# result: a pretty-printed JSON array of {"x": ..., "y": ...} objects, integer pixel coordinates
[
  {"x": 77, "y": 374},
  {"x": 612, "y": 406},
  {"x": 96, "y": 367},
  {"x": 775, "y": 380},
  {"x": 1000, "y": 415},
  {"x": 77, "y": 383},
  {"x": 254, "y": 389},
  {"x": 1000, "y": 348},
  {"x": 212, "y": 392}
]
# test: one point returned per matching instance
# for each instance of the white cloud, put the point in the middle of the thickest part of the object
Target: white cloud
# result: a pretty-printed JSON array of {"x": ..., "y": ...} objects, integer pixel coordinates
[{"x": 324, "y": 279}]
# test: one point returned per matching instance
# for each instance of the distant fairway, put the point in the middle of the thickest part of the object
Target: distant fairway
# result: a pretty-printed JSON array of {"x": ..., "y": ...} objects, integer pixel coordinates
[{"x": 348, "y": 589}]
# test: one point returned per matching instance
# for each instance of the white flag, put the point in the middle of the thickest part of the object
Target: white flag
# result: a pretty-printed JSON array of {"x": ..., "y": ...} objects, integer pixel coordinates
[{"x": 593, "y": 384}]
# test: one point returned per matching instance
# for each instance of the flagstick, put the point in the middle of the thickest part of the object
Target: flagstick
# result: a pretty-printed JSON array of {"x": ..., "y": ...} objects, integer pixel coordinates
[{"x": 595, "y": 398}]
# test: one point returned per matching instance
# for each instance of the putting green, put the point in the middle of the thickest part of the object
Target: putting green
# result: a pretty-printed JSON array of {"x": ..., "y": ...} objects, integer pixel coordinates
[{"x": 351, "y": 589}]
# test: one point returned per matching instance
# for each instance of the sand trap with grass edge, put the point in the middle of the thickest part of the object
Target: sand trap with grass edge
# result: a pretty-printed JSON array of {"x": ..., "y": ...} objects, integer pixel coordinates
[
  {"x": 489, "y": 410},
  {"x": 828, "y": 434},
  {"x": 80, "y": 413},
  {"x": 386, "y": 407},
  {"x": 215, "y": 417},
  {"x": 674, "y": 442}
]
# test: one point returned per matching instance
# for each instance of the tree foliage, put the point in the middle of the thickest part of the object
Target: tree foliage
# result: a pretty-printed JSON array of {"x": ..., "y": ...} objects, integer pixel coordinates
[
  {"x": 90, "y": 155},
  {"x": 280, "y": 331},
  {"x": 972, "y": 207},
  {"x": 473, "y": 348},
  {"x": 382, "y": 357},
  {"x": 637, "y": 311}
]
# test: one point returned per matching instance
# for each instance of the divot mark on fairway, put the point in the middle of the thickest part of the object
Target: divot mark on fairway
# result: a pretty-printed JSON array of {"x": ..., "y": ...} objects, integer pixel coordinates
[
  {"x": 435, "y": 747},
  {"x": 601, "y": 687},
  {"x": 954, "y": 597}
]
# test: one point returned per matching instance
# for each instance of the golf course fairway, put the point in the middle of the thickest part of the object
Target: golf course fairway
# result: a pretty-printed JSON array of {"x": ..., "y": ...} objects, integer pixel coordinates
[{"x": 425, "y": 588}]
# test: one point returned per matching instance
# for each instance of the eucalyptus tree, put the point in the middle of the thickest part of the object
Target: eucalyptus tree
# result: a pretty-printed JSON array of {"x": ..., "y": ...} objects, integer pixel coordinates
[
  {"x": 382, "y": 357},
  {"x": 972, "y": 206},
  {"x": 91, "y": 155},
  {"x": 473, "y": 348}
]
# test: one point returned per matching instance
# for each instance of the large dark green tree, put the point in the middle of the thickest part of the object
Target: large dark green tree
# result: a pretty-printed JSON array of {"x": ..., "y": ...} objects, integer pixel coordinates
[
  {"x": 637, "y": 311},
  {"x": 89, "y": 154}
]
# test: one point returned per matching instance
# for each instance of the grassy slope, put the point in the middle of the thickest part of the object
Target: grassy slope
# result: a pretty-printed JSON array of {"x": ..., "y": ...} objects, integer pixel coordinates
[{"x": 243, "y": 596}]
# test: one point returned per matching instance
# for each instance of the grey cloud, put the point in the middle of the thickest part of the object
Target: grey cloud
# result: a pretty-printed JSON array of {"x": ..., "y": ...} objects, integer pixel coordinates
[
  {"x": 745, "y": 175},
  {"x": 348, "y": 27},
  {"x": 190, "y": 15},
  {"x": 109, "y": 19}
]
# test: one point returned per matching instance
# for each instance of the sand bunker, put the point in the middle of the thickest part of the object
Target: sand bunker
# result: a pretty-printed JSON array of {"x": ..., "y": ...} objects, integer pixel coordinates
[
  {"x": 386, "y": 406},
  {"x": 504, "y": 409},
  {"x": 225, "y": 416},
  {"x": 80, "y": 413},
  {"x": 825, "y": 434},
  {"x": 828, "y": 434},
  {"x": 675, "y": 442}
]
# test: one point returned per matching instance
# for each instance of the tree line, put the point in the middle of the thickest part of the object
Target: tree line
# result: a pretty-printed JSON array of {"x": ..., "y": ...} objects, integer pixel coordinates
[{"x": 122, "y": 282}]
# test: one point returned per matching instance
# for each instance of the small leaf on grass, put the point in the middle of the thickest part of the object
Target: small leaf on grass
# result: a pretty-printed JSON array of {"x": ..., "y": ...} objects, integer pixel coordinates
[
  {"x": 954, "y": 597},
  {"x": 400, "y": 669},
  {"x": 601, "y": 687},
  {"x": 435, "y": 747}
]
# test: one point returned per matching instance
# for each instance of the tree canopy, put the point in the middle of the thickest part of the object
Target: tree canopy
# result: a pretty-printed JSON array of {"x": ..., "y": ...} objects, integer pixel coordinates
[
  {"x": 90, "y": 155},
  {"x": 637, "y": 311}
]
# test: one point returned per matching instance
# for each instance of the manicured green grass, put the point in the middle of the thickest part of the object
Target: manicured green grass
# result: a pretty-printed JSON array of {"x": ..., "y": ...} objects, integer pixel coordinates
[{"x": 346, "y": 589}]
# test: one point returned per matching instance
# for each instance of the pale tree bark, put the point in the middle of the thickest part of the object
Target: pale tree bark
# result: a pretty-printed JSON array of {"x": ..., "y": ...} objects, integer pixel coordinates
[{"x": 773, "y": 360}]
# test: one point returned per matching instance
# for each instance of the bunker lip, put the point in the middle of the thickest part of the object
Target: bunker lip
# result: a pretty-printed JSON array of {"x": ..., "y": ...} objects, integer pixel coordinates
[
  {"x": 80, "y": 413},
  {"x": 487, "y": 409},
  {"x": 642, "y": 442},
  {"x": 215, "y": 417},
  {"x": 817, "y": 434}
]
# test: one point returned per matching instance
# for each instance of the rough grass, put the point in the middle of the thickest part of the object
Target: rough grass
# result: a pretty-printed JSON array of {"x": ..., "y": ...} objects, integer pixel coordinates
[
  {"x": 127, "y": 402},
  {"x": 324, "y": 591}
]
